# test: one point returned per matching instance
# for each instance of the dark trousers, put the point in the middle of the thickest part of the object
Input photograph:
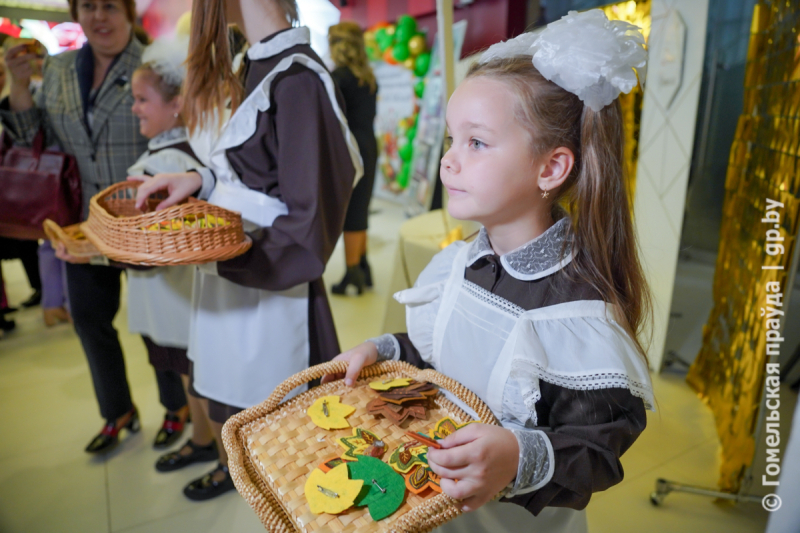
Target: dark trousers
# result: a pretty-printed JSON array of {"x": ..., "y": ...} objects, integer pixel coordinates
[
  {"x": 170, "y": 389},
  {"x": 94, "y": 298},
  {"x": 27, "y": 252}
]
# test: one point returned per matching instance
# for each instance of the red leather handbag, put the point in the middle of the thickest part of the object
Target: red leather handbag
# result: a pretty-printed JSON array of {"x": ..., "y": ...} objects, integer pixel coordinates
[{"x": 36, "y": 184}]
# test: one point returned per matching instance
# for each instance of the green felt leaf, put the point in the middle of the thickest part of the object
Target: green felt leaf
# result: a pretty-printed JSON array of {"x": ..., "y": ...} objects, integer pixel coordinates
[{"x": 381, "y": 503}]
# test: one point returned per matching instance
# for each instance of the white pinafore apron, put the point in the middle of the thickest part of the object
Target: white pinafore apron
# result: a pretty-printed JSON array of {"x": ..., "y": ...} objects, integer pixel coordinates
[
  {"x": 244, "y": 341},
  {"x": 472, "y": 334}
]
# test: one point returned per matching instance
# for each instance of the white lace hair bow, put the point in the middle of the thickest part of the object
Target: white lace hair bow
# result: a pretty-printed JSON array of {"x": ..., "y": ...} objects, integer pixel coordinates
[
  {"x": 167, "y": 58},
  {"x": 583, "y": 53}
]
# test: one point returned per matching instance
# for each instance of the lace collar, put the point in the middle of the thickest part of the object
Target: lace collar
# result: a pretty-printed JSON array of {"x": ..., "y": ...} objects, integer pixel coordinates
[
  {"x": 167, "y": 138},
  {"x": 534, "y": 260},
  {"x": 277, "y": 43}
]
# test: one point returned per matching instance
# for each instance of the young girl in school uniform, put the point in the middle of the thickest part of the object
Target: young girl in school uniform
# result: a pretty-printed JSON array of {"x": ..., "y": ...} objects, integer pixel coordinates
[
  {"x": 287, "y": 161},
  {"x": 540, "y": 315},
  {"x": 159, "y": 299}
]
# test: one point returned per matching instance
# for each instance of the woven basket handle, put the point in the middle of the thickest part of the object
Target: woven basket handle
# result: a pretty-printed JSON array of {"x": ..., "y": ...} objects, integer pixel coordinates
[
  {"x": 337, "y": 367},
  {"x": 53, "y": 231}
]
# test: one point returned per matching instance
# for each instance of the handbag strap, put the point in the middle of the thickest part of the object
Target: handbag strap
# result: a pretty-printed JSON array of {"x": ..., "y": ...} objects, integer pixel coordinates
[
  {"x": 7, "y": 143},
  {"x": 38, "y": 143}
]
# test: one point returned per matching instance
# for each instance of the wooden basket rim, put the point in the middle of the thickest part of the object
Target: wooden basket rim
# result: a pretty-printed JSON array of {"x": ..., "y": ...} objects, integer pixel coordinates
[
  {"x": 54, "y": 232},
  {"x": 270, "y": 510},
  {"x": 134, "y": 222},
  {"x": 198, "y": 257}
]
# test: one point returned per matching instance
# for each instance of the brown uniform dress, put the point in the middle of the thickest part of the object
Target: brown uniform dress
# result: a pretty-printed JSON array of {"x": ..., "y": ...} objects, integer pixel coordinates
[
  {"x": 298, "y": 154},
  {"x": 589, "y": 429}
]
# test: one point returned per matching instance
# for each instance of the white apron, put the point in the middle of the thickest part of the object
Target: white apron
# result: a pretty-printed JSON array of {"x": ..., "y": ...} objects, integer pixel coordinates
[
  {"x": 470, "y": 338},
  {"x": 160, "y": 299},
  {"x": 159, "y": 304},
  {"x": 243, "y": 341}
]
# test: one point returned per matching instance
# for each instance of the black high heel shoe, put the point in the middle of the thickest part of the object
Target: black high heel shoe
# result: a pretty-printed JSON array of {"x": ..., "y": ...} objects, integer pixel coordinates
[
  {"x": 171, "y": 430},
  {"x": 109, "y": 436},
  {"x": 354, "y": 276},
  {"x": 367, "y": 271}
]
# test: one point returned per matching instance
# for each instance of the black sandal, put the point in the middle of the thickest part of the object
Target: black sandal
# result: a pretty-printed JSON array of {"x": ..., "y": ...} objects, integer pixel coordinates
[
  {"x": 206, "y": 488},
  {"x": 175, "y": 461}
]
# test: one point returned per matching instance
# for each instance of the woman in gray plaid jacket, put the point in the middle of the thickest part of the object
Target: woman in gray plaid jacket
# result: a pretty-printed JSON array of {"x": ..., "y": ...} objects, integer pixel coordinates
[{"x": 84, "y": 105}]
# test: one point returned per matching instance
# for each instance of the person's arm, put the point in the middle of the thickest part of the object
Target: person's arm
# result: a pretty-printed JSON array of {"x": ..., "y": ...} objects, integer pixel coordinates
[
  {"x": 315, "y": 177},
  {"x": 398, "y": 347},
  {"x": 588, "y": 431}
]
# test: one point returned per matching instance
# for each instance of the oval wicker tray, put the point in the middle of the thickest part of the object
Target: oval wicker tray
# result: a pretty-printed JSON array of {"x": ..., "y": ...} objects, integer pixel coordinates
[
  {"x": 73, "y": 238},
  {"x": 273, "y": 447},
  {"x": 118, "y": 231}
]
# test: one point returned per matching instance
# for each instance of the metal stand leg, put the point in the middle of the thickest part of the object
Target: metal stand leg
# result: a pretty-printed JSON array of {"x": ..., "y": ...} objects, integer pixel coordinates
[{"x": 664, "y": 487}]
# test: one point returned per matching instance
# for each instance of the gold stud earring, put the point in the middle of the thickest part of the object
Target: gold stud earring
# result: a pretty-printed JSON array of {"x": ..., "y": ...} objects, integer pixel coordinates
[{"x": 545, "y": 193}]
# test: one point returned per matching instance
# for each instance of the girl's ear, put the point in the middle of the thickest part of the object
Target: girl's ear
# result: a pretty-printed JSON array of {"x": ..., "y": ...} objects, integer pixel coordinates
[
  {"x": 176, "y": 105},
  {"x": 555, "y": 168}
]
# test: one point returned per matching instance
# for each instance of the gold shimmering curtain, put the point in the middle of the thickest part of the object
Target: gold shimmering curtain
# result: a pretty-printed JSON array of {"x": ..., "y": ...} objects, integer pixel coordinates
[
  {"x": 729, "y": 371},
  {"x": 637, "y": 13}
]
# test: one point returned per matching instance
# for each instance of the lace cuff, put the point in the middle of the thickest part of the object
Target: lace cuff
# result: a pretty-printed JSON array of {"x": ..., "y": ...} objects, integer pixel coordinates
[
  {"x": 388, "y": 347},
  {"x": 209, "y": 181},
  {"x": 536, "y": 463}
]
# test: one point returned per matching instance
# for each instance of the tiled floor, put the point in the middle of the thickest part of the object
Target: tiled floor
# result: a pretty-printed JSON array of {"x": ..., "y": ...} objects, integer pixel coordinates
[{"x": 48, "y": 413}]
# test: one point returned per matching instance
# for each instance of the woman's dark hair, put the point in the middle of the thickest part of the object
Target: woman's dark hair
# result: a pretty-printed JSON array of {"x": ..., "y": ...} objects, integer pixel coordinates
[
  {"x": 128, "y": 5},
  {"x": 141, "y": 35}
]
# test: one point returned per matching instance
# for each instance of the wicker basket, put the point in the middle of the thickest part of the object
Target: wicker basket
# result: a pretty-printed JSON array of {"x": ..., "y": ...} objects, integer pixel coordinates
[
  {"x": 272, "y": 448},
  {"x": 73, "y": 238},
  {"x": 117, "y": 229}
]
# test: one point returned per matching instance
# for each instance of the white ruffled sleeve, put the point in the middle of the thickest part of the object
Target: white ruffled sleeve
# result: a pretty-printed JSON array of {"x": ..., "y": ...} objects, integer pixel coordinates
[
  {"x": 424, "y": 299},
  {"x": 576, "y": 345}
]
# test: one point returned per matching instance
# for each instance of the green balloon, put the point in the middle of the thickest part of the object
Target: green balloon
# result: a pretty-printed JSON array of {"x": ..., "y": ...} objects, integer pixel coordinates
[
  {"x": 400, "y": 52},
  {"x": 404, "y": 175},
  {"x": 411, "y": 133},
  {"x": 408, "y": 22},
  {"x": 406, "y": 152},
  {"x": 383, "y": 39},
  {"x": 403, "y": 34},
  {"x": 419, "y": 88},
  {"x": 422, "y": 64}
]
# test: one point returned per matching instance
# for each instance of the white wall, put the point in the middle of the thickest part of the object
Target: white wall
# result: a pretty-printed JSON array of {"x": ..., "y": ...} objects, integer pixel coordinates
[{"x": 665, "y": 153}]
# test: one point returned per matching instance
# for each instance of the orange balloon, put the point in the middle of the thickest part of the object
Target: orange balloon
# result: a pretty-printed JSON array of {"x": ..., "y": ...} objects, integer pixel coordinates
[{"x": 388, "y": 57}]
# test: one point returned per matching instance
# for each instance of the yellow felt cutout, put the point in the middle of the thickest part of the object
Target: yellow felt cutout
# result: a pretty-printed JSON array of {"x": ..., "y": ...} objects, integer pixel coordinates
[
  {"x": 333, "y": 492},
  {"x": 447, "y": 426},
  {"x": 358, "y": 443},
  {"x": 390, "y": 384},
  {"x": 336, "y": 413}
]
